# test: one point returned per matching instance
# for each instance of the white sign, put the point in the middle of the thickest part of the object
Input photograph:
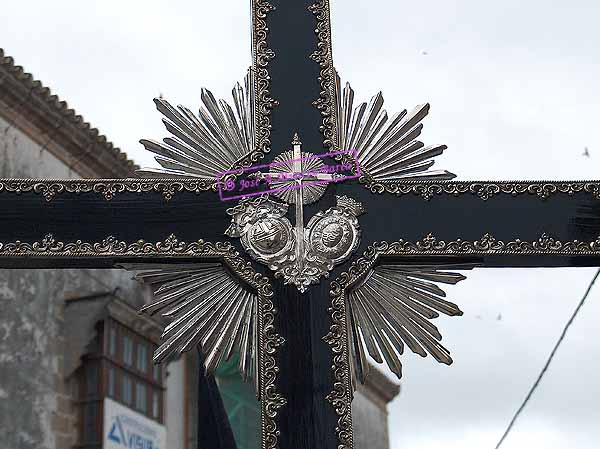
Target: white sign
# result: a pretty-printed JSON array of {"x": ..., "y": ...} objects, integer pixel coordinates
[{"x": 127, "y": 429}]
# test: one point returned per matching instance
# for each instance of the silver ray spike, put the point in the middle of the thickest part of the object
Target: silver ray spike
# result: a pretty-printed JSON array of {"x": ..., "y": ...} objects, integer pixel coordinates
[
  {"x": 218, "y": 139},
  {"x": 208, "y": 307},
  {"x": 392, "y": 307},
  {"x": 387, "y": 149}
]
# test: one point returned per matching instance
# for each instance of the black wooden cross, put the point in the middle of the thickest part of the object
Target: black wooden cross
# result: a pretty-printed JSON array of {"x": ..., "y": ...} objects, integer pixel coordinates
[{"x": 415, "y": 223}]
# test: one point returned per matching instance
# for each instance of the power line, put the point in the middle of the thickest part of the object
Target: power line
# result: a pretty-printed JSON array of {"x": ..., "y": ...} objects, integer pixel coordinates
[{"x": 539, "y": 378}]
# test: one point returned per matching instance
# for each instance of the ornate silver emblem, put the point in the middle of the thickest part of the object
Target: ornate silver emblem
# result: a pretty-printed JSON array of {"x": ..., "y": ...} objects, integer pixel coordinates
[
  {"x": 301, "y": 256},
  {"x": 268, "y": 236},
  {"x": 335, "y": 234},
  {"x": 387, "y": 151}
]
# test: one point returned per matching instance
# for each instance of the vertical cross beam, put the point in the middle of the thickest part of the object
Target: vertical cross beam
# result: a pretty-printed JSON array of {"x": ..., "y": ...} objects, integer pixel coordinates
[
  {"x": 294, "y": 82},
  {"x": 307, "y": 421}
]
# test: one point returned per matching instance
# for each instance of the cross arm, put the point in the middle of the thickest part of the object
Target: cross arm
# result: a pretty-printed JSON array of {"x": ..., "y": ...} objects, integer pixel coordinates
[
  {"x": 495, "y": 224},
  {"x": 105, "y": 221}
]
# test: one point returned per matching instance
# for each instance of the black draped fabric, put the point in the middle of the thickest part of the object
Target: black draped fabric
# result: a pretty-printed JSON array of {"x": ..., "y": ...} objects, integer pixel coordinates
[{"x": 214, "y": 430}]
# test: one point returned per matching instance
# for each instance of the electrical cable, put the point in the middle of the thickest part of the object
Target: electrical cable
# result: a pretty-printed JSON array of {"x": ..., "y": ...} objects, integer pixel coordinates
[{"x": 541, "y": 375}]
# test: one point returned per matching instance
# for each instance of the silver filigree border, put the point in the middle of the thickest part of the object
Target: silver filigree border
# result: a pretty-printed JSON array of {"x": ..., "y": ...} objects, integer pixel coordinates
[
  {"x": 323, "y": 56},
  {"x": 430, "y": 245},
  {"x": 108, "y": 188},
  {"x": 263, "y": 104},
  {"x": 169, "y": 187},
  {"x": 261, "y": 55},
  {"x": 337, "y": 338},
  {"x": 482, "y": 189},
  {"x": 171, "y": 247}
]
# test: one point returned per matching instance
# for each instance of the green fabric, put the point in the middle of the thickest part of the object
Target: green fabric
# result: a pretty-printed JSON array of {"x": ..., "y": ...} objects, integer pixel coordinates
[
  {"x": 229, "y": 368},
  {"x": 240, "y": 404}
]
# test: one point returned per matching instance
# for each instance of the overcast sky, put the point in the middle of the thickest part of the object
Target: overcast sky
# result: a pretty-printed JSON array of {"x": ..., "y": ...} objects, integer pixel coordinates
[{"x": 515, "y": 94}]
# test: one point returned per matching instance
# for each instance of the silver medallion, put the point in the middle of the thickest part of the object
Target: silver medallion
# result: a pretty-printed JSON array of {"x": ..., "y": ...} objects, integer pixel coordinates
[
  {"x": 329, "y": 238},
  {"x": 334, "y": 235},
  {"x": 266, "y": 234}
]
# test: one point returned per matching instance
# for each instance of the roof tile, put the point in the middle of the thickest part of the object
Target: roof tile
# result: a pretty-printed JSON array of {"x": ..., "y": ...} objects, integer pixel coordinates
[{"x": 62, "y": 107}]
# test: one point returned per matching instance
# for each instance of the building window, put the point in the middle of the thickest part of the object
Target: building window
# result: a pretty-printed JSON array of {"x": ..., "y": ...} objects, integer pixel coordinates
[
  {"x": 126, "y": 389},
  {"x": 135, "y": 378},
  {"x": 112, "y": 343},
  {"x": 127, "y": 350},
  {"x": 155, "y": 405},
  {"x": 91, "y": 379},
  {"x": 140, "y": 397},
  {"x": 118, "y": 365},
  {"x": 111, "y": 382},
  {"x": 131, "y": 377},
  {"x": 142, "y": 357}
]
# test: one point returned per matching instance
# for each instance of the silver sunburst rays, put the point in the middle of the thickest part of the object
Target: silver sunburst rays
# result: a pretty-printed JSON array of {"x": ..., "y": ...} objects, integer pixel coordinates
[
  {"x": 221, "y": 136},
  {"x": 388, "y": 310},
  {"x": 284, "y": 163},
  {"x": 391, "y": 308},
  {"x": 203, "y": 146},
  {"x": 209, "y": 308},
  {"x": 387, "y": 148}
]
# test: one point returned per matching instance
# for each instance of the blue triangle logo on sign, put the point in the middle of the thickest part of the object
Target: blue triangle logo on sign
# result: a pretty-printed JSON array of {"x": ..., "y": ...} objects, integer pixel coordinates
[
  {"x": 116, "y": 432},
  {"x": 112, "y": 436}
]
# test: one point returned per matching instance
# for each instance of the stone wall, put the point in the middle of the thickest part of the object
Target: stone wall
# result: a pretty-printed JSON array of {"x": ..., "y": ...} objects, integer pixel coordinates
[
  {"x": 22, "y": 157},
  {"x": 369, "y": 411},
  {"x": 36, "y": 396},
  {"x": 369, "y": 422}
]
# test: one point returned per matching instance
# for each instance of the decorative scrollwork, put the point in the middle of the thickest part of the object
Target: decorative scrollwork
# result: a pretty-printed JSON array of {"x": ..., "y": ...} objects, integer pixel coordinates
[
  {"x": 108, "y": 188},
  {"x": 168, "y": 188},
  {"x": 269, "y": 340},
  {"x": 337, "y": 338},
  {"x": 483, "y": 189},
  {"x": 323, "y": 56},
  {"x": 110, "y": 247},
  {"x": 486, "y": 245},
  {"x": 263, "y": 102}
]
